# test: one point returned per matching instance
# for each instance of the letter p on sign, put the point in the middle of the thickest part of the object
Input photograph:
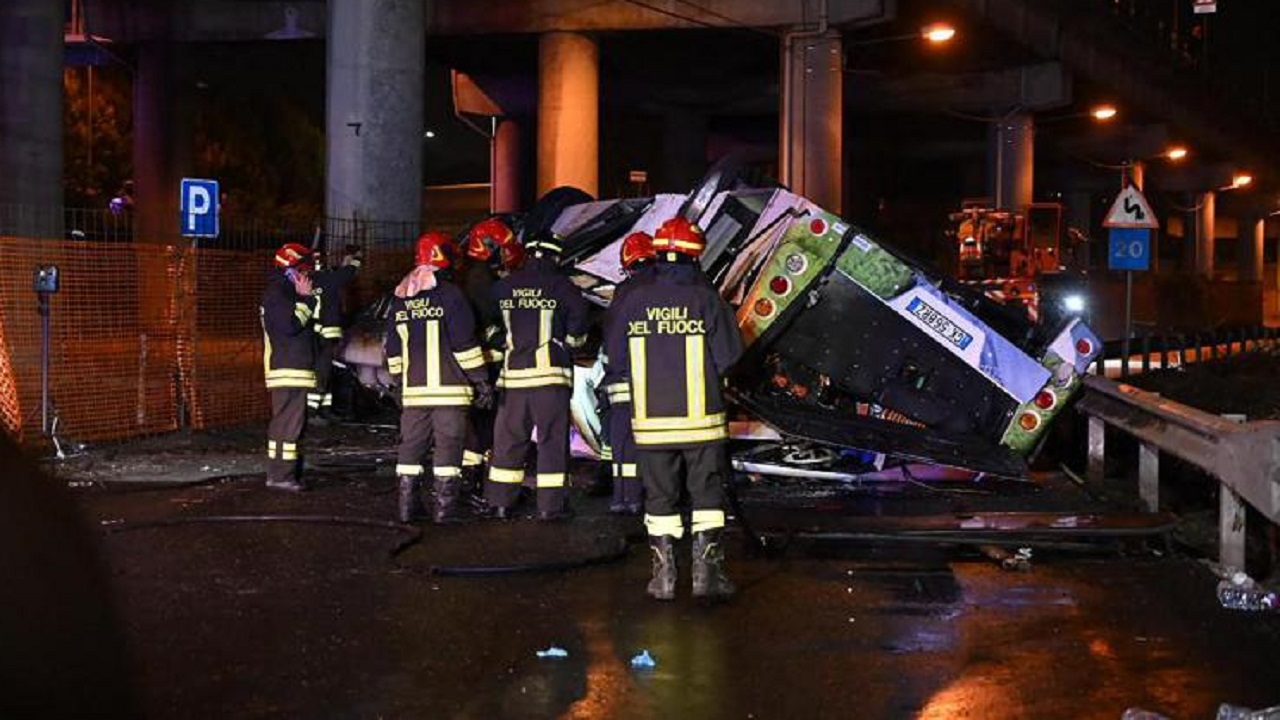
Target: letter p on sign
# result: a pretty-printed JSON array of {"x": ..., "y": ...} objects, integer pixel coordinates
[{"x": 199, "y": 208}]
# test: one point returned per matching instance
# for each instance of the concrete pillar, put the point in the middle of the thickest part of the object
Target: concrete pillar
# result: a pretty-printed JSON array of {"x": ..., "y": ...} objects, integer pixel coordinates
[
  {"x": 684, "y": 149},
  {"x": 1137, "y": 174},
  {"x": 156, "y": 176},
  {"x": 811, "y": 137},
  {"x": 374, "y": 121},
  {"x": 1251, "y": 239},
  {"x": 504, "y": 167},
  {"x": 31, "y": 117},
  {"x": 1012, "y": 161},
  {"x": 568, "y": 112},
  {"x": 1205, "y": 239}
]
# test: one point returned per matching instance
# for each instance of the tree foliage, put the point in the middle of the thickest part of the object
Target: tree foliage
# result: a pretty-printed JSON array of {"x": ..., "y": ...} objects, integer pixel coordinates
[{"x": 97, "y": 134}]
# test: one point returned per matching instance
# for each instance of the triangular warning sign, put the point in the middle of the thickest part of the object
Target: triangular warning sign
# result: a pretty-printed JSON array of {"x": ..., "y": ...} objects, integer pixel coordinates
[{"x": 1131, "y": 210}]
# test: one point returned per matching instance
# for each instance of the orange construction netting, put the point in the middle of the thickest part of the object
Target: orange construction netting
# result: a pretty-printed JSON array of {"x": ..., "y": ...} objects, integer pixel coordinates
[
  {"x": 220, "y": 348},
  {"x": 144, "y": 338},
  {"x": 10, "y": 410}
]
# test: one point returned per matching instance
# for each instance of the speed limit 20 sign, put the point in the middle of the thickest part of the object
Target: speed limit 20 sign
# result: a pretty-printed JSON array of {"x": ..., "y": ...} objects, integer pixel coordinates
[
  {"x": 1129, "y": 223},
  {"x": 1130, "y": 249}
]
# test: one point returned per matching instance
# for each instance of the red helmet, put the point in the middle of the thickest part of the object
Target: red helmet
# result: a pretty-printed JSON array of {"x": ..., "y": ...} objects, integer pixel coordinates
[
  {"x": 636, "y": 248},
  {"x": 679, "y": 235},
  {"x": 434, "y": 248},
  {"x": 292, "y": 255},
  {"x": 487, "y": 236}
]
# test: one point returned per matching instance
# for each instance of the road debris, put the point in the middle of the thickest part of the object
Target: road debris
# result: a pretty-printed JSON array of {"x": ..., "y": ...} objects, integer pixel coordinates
[
  {"x": 644, "y": 661},
  {"x": 1019, "y": 561}
]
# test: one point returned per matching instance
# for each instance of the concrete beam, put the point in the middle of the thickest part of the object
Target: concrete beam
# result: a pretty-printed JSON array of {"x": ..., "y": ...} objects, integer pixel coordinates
[
  {"x": 1099, "y": 50},
  {"x": 463, "y": 17},
  {"x": 239, "y": 20},
  {"x": 1039, "y": 87}
]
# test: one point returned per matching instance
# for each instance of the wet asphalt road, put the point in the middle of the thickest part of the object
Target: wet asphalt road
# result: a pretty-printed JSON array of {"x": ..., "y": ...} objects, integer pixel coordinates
[{"x": 318, "y": 621}]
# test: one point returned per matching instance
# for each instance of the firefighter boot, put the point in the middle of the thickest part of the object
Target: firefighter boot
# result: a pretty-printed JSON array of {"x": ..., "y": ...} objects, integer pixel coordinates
[
  {"x": 448, "y": 502},
  {"x": 663, "y": 584},
  {"x": 709, "y": 579},
  {"x": 408, "y": 502},
  {"x": 473, "y": 489}
]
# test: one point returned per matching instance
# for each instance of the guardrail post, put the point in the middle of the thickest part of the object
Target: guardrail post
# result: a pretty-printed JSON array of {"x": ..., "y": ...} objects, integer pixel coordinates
[
  {"x": 1149, "y": 476},
  {"x": 1231, "y": 518},
  {"x": 1097, "y": 449},
  {"x": 1231, "y": 533}
]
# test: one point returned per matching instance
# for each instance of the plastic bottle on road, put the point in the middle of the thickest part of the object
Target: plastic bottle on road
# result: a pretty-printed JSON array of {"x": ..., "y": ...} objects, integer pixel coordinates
[
  {"x": 1240, "y": 592},
  {"x": 1134, "y": 713},
  {"x": 1235, "y": 712}
]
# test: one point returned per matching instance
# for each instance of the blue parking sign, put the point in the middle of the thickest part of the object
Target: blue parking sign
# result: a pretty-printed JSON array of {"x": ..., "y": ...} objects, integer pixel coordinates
[
  {"x": 1130, "y": 249},
  {"x": 199, "y": 208}
]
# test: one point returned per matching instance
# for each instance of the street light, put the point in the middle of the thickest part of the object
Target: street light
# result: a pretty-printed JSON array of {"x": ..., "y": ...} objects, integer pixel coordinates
[
  {"x": 1175, "y": 153},
  {"x": 1240, "y": 180},
  {"x": 1103, "y": 113},
  {"x": 938, "y": 33},
  {"x": 933, "y": 33}
]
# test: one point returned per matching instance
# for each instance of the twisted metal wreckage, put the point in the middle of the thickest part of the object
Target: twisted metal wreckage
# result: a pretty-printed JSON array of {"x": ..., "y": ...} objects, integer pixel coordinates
[{"x": 854, "y": 353}]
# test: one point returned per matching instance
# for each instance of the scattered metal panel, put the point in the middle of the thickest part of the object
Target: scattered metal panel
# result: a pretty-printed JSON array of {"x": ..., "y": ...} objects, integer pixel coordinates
[{"x": 794, "y": 419}]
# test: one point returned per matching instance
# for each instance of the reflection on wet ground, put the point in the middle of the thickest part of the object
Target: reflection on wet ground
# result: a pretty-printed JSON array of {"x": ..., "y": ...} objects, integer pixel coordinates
[{"x": 317, "y": 621}]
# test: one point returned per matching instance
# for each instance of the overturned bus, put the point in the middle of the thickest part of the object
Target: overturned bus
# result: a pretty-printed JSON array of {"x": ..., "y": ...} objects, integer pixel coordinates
[{"x": 849, "y": 345}]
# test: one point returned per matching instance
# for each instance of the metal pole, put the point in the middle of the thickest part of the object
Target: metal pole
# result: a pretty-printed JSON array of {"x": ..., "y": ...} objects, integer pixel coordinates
[
  {"x": 43, "y": 306},
  {"x": 1128, "y": 322}
]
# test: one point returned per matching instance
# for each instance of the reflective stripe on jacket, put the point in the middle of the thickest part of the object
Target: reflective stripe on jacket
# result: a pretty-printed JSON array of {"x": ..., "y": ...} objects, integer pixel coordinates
[
  {"x": 676, "y": 338},
  {"x": 288, "y": 347},
  {"x": 543, "y": 315},
  {"x": 328, "y": 286},
  {"x": 431, "y": 347}
]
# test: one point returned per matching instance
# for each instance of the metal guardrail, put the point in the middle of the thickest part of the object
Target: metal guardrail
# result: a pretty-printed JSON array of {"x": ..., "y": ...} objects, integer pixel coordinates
[
  {"x": 1243, "y": 456},
  {"x": 1156, "y": 352}
]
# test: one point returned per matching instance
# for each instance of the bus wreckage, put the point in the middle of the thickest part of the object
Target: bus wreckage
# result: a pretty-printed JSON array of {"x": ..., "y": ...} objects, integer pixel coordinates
[{"x": 853, "y": 354}]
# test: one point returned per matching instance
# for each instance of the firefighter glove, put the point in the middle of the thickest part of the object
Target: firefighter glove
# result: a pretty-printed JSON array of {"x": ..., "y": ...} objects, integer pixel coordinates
[{"x": 483, "y": 398}]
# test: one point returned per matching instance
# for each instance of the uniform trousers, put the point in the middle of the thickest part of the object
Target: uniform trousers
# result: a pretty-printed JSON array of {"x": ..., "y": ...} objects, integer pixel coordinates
[
  {"x": 441, "y": 429},
  {"x": 701, "y": 470},
  {"x": 627, "y": 487},
  {"x": 288, "y": 419},
  {"x": 520, "y": 410},
  {"x": 322, "y": 395}
]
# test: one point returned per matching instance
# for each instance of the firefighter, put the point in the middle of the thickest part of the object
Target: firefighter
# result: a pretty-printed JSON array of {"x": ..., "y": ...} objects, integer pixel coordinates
[
  {"x": 487, "y": 254},
  {"x": 677, "y": 338},
  {"x": 636, "y": 257},
  {"x": 288, "y": 309},
  {"x": 543, "y": 318},
  {"x": 327, "y": 285},
  {"x": 431, "y": 348}
]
